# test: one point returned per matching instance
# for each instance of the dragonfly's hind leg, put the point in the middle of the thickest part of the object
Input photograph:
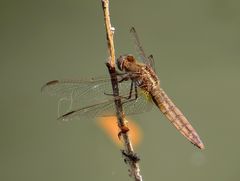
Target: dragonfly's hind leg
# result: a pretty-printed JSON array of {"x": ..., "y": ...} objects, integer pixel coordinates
[
  {"x": 131, "y": 88},
  {"x": 130, "y": 93},
  {"x": 122, "y": 97}
]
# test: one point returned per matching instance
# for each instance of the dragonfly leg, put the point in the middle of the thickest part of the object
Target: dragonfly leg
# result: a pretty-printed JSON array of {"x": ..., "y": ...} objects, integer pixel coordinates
[
  {"x": 126, "y": 76},
  {"x": 130, "y": 92},
  {"x": 122, "y": 97},
  {"x": 135, "y": 89},
  {"x": 123, "y": 77}
]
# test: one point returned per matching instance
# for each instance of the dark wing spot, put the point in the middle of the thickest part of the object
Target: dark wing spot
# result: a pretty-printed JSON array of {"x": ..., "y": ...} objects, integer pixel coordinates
[
  {"x": 65, "y": 115},
  {"x": 52, "y": 82}
]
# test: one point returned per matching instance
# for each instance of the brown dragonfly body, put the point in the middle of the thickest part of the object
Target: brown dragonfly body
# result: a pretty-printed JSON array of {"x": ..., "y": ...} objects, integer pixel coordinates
[{"x": 146, "y": 79}]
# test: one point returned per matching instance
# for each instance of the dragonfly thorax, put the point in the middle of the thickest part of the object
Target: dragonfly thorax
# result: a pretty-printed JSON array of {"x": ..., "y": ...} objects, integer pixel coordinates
[
  {"x": 128, "y": 63},
  {"x": 141, "y": 74}
]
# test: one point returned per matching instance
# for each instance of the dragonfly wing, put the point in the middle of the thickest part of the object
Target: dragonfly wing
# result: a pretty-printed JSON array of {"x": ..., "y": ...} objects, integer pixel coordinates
[
  {"x": 63, "y": 88},
  {"x": 92, "y": 97},
  {"x": 151, "y": 62},
  {"x": 75, "y": 94},
  {"x": 107, "y": 108},
  {"x": 147, "y": 60},
  {"x": 137, "y": 43},
  {"x": 79, "y": 92}
]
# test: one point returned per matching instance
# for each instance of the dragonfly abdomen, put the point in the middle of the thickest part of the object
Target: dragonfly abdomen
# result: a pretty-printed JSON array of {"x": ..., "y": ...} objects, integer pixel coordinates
[{"x": 176, "y": 117}]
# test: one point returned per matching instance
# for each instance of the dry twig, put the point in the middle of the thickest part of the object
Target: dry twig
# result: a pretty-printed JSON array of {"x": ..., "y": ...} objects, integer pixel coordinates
[{"x": 130, "y": 157}]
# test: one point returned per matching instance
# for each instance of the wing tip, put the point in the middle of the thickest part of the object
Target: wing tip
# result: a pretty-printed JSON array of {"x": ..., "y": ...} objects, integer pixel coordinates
[
  {"x": 64, "y": 116},
  {"x": 52, "y": 82},
  {"x": 132, "y": 29}
]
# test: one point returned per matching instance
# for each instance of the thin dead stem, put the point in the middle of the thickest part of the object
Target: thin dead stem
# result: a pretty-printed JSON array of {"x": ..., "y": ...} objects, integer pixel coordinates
[
  {"x": 109, "y": 31},
  {"x": 130, "y": 157}
]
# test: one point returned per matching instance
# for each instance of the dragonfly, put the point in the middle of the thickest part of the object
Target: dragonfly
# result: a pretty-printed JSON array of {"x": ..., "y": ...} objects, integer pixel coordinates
[{"x": 139, "y": 88}]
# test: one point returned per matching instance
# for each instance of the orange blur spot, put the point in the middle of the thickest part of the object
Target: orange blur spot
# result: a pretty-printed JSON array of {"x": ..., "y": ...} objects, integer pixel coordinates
[{"x": 109, "y": 125}]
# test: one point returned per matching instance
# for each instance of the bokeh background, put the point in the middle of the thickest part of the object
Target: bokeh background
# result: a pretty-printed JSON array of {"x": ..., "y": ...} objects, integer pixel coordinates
[{"x": 196, "y": 45}]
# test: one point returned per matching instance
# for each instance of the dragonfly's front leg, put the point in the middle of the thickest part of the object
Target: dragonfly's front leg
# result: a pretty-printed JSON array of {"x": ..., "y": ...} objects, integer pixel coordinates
[
  {"x": 128, "y": 98},
  {"x": 124, "y": 77},
  {"x": 124, "y": 97}
]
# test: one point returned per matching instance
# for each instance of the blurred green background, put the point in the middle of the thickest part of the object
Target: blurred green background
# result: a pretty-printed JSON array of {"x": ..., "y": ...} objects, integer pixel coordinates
[{"x": 196, "y": 45}]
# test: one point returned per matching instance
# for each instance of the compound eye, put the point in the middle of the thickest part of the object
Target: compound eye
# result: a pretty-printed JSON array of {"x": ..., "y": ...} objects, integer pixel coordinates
[{"x": 130, "y": 58}]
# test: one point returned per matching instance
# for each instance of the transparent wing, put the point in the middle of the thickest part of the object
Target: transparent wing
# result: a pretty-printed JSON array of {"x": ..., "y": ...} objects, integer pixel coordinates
[
  {"x": 79, "y": 92},
  {"x": 88, "y": 97},
  {"x": 151, "y": 62},
  {"x": 147, "y": 60},
  {"x": 65, "y": 87},
  {"x": 107, "y": 108},
  {"x": 104, "y": 108}
]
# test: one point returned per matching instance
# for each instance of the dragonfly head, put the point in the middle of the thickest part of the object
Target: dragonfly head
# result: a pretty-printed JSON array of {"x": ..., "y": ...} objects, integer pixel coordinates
[{"x": 124, "y": 60}]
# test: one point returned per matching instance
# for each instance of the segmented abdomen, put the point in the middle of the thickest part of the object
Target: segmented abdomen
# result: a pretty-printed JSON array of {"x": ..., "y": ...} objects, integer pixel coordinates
[{"x": 176, "y": 117}]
